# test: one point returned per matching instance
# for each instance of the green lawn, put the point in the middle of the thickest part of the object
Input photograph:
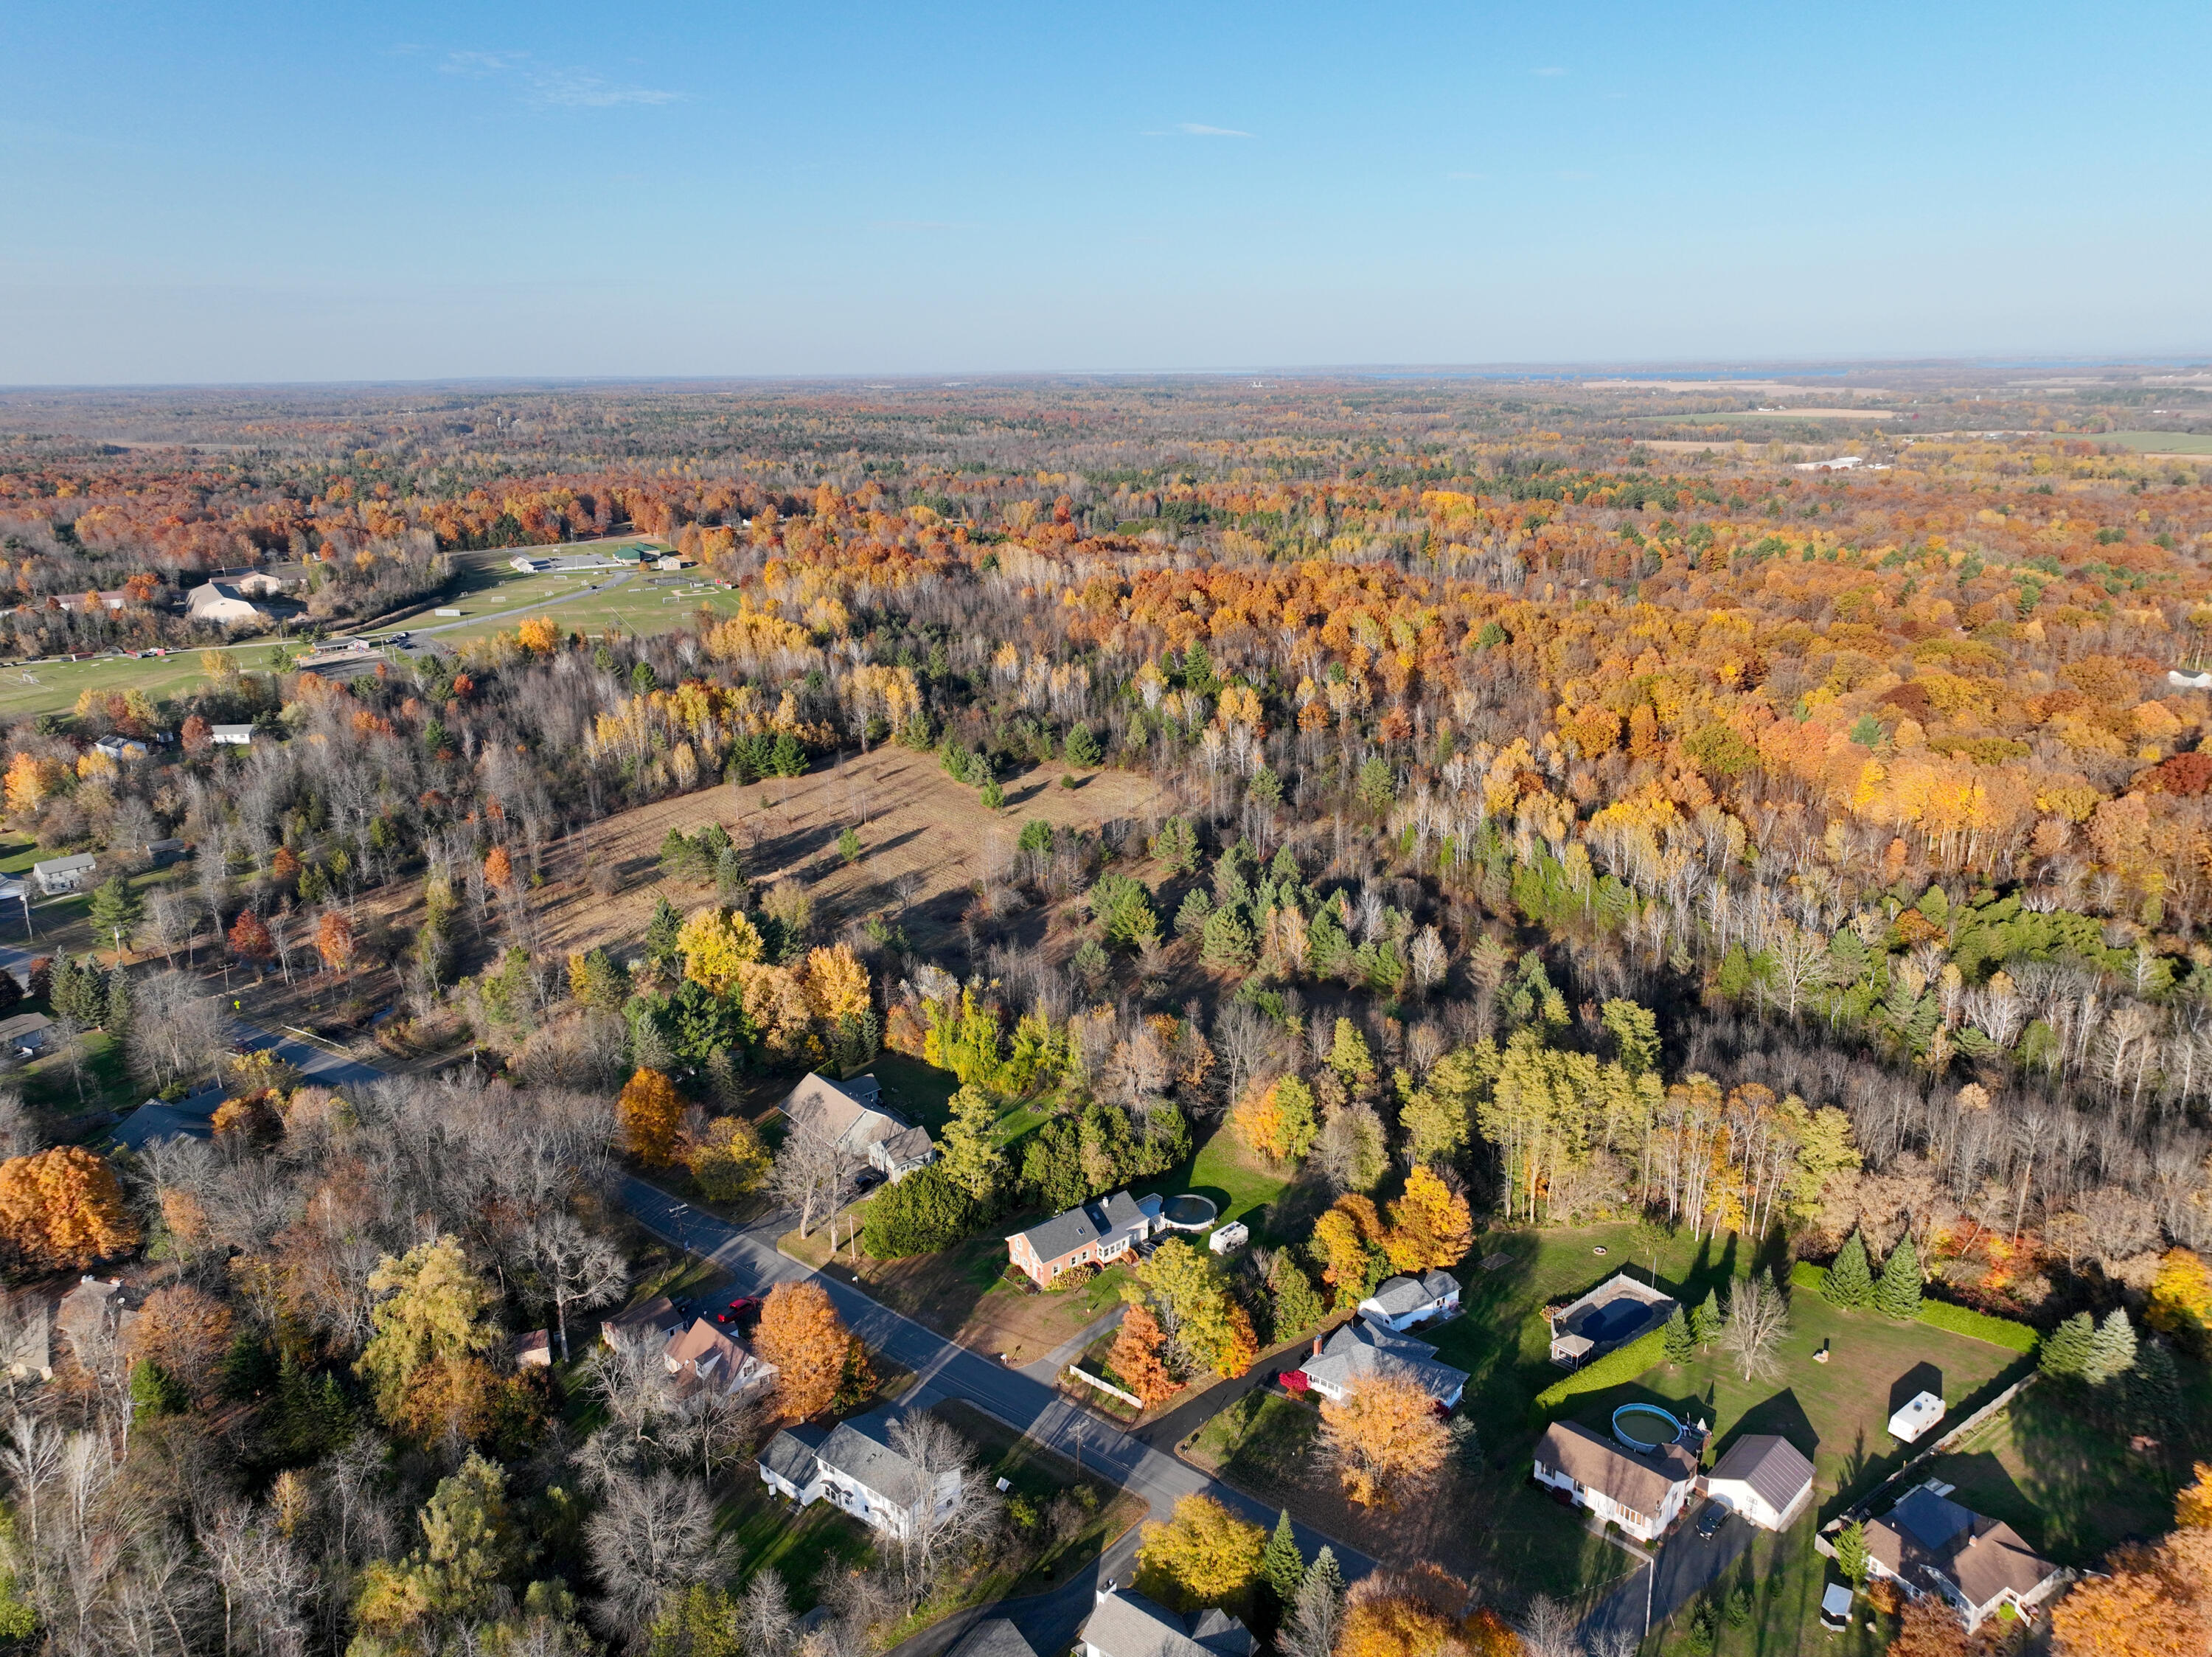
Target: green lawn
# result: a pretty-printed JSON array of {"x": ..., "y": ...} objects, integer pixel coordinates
[
  {"x": 796, "y": 1542},
  {"x": 1239, "y": 1183},
  {"x": 2065, "y": 1481},
  {"x": 1785, "y": 1576},
  {"x": 649, "y": 601},
  {"x": 2159, "y": 442},
  {"x": 54, "y": 686}
]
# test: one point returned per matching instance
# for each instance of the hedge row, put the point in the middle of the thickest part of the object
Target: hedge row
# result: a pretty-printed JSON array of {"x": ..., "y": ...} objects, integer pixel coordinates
[
  {"x": 1959, "y": 1320},
  {"x": 1623, "y": 1363}
]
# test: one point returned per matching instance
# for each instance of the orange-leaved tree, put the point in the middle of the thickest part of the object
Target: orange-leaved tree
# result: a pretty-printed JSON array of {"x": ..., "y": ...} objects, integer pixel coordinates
[
  {"x": 540, "y": 635},
  {"x": 1277, "y": 1119},
  {"x": 249, "y": 939},
  {"x": 1384, "y": 1438},
  {"x": 63, "y": 1208},
  {"x": 651, "y": 1115},
  {"x": 2153, "y": 1601},
  {"x": 1347, "y": 1238},
  {"x": 1136, "y": 1357},
  {"x": 801, "y": 1334},
  {"x": 499, "y": 870},
  {"x": 334, "y": 940},
  {"x": 1430, "y": 1225},
  {"x": 1418, "y": 1613}
]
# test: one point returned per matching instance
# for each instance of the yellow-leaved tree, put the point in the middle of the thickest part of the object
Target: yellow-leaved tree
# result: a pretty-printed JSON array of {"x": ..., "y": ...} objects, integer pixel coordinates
[
  {"x": 63, "y": 1208},
  {"x": 1384, "y": 1438},
  {"x": 1430, "y": 1226},
  {"x": 1203, "y": 1555},
  {"x": 431, "y": 1315},
  {"x": 715, "y": 943},
  {"x": 650, "y": 1114}
]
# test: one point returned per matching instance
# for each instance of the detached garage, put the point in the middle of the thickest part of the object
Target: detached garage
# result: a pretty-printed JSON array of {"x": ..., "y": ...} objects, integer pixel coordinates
[{"x": 1765, "y": 1478}]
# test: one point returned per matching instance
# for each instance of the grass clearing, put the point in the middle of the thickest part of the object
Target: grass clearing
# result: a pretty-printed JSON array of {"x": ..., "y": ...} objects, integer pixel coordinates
[
  {"x": 2159, "y": 442},
  {"x": 40, "y": 687}
]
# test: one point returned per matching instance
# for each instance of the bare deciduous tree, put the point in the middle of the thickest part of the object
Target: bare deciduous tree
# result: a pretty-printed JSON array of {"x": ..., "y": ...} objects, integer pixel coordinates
[
  {"x": 1757, "y": 1318},
  {"x": 652, "y": 1532},
  {"x": 577, "y": 1268}
]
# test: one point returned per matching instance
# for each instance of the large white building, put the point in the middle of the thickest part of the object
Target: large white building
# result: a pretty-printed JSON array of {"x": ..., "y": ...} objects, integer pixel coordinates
[
  {"x": 1765, "y": 1477},
  {"x": 854, "y": 1467}
]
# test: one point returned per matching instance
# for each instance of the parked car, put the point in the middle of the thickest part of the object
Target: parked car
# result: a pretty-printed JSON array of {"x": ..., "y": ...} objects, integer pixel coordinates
[
  {"x": 1710, "y": 1521},
  {"x": 741, "y": 1310}
]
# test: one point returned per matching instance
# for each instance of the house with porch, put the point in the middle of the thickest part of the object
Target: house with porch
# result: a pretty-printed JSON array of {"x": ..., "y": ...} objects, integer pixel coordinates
[
  {"x": 1092, "y": 1234},
  {"x": 1642, "y": 1493}
]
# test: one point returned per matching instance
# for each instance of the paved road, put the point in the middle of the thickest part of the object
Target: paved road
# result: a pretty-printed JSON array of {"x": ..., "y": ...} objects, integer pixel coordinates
[{"x": 947, "y": 1370}]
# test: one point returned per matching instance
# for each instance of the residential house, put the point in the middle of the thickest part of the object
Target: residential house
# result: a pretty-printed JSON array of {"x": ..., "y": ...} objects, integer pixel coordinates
[
  {"x": 94, "y": 1308},
  {"x": 1978, "y": 1565},
  {"x": 26, "y": 1341},
  {"x": 1765, "y": 1477},
  {"x": 25, "y": 1034},
  {"x": 1401, "y": 1302},
  {"x": 850, "y": 1115},
  {"x": 1642, "y": 1493},
  {"x": 1125, "y": 1624},
  {"x": 162, "y": 853},
  {"x": 655, "y": 1320},
  {"x": 1358, "y": 1349},
  {"x": 59, "y": 874},
  {"x": 236, "y": 736},
  {"x": 222, "y": 601},
  {"x": 854, "y": 1466},
  {"x": 1095, "y": 1232},
  {"x": 994, "y": 1636},
  {"x": 703, "y": 1356},
  {"x": 1618, "y": 1311},
  {"x": 120, "y": 748}
]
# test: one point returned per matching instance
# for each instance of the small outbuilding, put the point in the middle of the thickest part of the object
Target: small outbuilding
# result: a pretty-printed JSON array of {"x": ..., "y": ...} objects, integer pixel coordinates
[
  {"x": 1764, "y": 1477},
  {"x": 1914, "y": 1420}
]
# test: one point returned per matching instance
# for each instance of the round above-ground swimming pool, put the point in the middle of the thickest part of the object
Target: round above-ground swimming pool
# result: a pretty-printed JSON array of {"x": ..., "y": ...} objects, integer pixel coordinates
[
  {"x": 1654, "y": 1415},
  {"x": 1189, "y": 1212}
]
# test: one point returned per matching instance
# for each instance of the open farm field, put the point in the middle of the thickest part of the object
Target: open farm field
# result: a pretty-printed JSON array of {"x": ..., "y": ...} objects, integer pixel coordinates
[
  {"x": 2160, "y": 442},
  {"x": 924, "y": 842},
  {"x": 43, "y": 687}
]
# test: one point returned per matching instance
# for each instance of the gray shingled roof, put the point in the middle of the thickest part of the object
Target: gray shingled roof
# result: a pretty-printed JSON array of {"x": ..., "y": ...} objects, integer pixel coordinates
[
  {"x": 790, "y": 1454},
  {"x": 994, "y": 1636},
  {"x": 1086, "y": 1222},
  {"x": 1125, "y": 1624},
  {"x": 1358, "y": 1349},
  {"x": 1638, "y": 1483},
  {"x": 1776, "y": 1469},
  {"x": 861, "y": 1450},
  {"x": 1398, "y": 1295}
]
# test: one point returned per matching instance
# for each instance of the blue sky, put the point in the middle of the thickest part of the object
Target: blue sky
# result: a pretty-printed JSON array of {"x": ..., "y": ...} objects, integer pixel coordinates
[{"x": 401, "y": 191}]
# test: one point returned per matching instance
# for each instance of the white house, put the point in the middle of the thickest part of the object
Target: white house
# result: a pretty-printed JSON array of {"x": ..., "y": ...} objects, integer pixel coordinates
[
  {"x": 854, "y": 1466},
  {"x": 120, "y": 749},
  {"x": 1401, "y": 1302},
  {"x": 1765, "y": 1477},
  {"x": 654, "y": 1320},
  {"x": 236, "y": 736},
  {"x": 1977, "y": 1565},
  {"x": 1642, "y": 1494},
  {"x": 1124, "y": 1624},
  {"x": 703, "y": 1356},
  {"x": 222, "y": 601},
  {"x": 59, "y": 874},
  {"x": 1359, "y": 1351},
  {"x": 24, "y": 1033},
  {"x": 848, "y": 1115}
]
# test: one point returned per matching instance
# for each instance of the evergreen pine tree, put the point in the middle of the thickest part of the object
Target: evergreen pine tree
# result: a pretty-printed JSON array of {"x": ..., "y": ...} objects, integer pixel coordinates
[
  {"x": 1705, "y": 1321},
  {"x": 80, "y": 991},
  {"x": 660, "y": 933},
  {"x": 2066, "y": 1348},
  {"x": 2112, "y": 1353},
  {"x": 1281, "y": 1562},
  {"x": 2154, "y": 1388},
  {"x": 1851, "y": 1552},
  {"x": 1324, "y": 1572},
  {"x": 1850, "y": 1283},
  {"x": 1898, "y": 1294},
  {"x": 1681, "y": 1345},
  {"x": 117, "y": 1015}
]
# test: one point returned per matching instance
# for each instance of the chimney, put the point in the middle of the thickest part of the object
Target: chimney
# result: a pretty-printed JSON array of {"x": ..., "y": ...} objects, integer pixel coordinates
[
  {"x": 1105, "y": 1591},
  {"x": 1316, "y": 1349}
]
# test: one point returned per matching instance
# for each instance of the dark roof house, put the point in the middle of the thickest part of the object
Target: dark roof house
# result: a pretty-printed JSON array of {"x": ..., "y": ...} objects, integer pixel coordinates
[
  {"x": 1928, "y": 1542},
  {"x": 1101, "y": 1229}
]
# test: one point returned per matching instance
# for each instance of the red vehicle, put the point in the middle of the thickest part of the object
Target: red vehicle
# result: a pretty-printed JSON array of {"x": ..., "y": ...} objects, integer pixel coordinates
[{"x": 744, "y": 1307}]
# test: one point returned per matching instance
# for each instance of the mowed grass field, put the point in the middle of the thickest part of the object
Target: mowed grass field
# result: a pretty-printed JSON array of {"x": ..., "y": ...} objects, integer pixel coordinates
[
  {"x": 2160, "y": 443},
  {"x": 54, "y": 686}
]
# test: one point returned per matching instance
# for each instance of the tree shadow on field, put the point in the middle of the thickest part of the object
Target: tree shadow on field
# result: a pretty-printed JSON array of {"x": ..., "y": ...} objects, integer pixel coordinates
[
  {"x": 1780, "y": 1414},
  {"x": 1923, "y": 1377}
]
